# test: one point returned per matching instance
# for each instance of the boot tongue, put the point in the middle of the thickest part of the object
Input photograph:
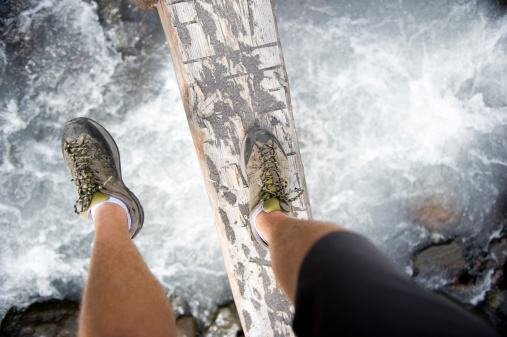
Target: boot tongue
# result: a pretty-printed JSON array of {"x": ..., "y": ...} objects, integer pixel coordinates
[
  {"x": 274, "y": 204},
  {"x": 97, "y": 197}
]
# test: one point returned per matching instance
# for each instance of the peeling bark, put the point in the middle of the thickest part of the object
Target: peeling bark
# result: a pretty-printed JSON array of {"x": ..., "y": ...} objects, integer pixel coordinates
[{"x": 231, "y": 73}]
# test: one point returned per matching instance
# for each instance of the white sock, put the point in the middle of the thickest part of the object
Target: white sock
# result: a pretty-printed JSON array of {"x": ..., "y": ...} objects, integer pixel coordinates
[
  {"x": 91, "y": 211},
  {"x": 254, "y": 214}
]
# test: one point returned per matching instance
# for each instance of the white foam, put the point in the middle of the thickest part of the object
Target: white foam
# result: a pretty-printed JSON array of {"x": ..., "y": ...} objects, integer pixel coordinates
[{"x": 391, "y": 105}]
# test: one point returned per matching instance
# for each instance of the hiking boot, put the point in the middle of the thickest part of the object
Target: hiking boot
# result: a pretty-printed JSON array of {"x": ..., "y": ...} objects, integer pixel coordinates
[
  {"x": 266, "y": 170},
  {"x": 93, "y": 160}
]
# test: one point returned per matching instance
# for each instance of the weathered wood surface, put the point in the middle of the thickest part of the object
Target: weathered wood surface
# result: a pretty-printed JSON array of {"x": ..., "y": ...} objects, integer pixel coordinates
[{"x": 231, "y": 73}]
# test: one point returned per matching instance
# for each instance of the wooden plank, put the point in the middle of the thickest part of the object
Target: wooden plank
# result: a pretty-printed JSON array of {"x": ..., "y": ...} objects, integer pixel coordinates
[{"x": 231, "y": 73}]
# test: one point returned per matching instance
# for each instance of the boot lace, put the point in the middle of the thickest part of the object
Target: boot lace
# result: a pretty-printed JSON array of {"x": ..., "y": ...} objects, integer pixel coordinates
[
  {"x": 273, "y": 185},
  {"x": 84, "y": 178}
]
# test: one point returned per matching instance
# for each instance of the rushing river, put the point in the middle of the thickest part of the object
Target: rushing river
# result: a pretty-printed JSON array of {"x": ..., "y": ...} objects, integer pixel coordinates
[{"x": 396, "y": 102}]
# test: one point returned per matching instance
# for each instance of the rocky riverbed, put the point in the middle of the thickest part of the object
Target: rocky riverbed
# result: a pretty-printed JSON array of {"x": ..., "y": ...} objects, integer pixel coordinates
[
  {"x": 59, "y": 318},
  {"x": 447, "y": 254},
  {"x": 461, "y": 262}
]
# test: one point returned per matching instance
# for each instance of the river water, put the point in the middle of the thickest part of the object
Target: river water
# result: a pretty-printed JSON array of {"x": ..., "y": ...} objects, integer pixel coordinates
[{"x": 395, "y": 103}]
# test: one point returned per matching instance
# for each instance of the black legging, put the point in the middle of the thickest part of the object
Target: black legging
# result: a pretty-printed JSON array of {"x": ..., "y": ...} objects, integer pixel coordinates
[{"x": 347, "y": 287}]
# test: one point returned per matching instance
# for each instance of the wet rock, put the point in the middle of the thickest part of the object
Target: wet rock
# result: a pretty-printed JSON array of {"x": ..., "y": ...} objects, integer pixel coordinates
[
  {"x": 53, "y": 318},
  {"x": 145, "y": 4},
  {"x": 502, "y": 2},
  {"x": 495, "y": 303},
  {"x": 436, "y": 212},
  {"x": 498, "y": 251},
  {"x": 494, "y": 298},
  {"x": 137, "y": 37},
  {"x": 438, "y": 257},
  {"x": 186, "y": 326},
  {"x": 179, "y": 305},
  {"x": 465, "y": 281},
  {"x": 226, "y": 323},
  {"x": 129, "y": 27}
]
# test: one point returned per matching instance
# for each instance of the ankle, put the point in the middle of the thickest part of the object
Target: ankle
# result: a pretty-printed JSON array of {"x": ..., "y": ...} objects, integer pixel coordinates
[
  {"x": 110, "y": 216},
  {"x": 264, "y": 223}
]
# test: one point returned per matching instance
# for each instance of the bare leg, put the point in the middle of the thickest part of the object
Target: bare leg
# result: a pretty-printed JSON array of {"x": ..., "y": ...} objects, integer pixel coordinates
[
  {"x": 121, "y": 297},
  {"x": 289, "y": 241},
  {"x": 328, "y": 308}
]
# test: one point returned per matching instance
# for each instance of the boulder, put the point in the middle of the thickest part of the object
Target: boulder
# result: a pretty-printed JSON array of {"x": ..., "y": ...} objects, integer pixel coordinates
[
  {"x": 436, "y": 212},
  {"x": 447, "y": 256},
  {"x": 179, "y": 305},
  {"x": 53, "y": 318},
  {"x": 498, "y": 250},
  {"x": 186, "y": 326},
  {"x": 226, "y": 323}
]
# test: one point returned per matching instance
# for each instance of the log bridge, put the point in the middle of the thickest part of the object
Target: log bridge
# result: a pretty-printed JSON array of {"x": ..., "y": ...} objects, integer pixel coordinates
[{"x": 231, "y": 73}]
